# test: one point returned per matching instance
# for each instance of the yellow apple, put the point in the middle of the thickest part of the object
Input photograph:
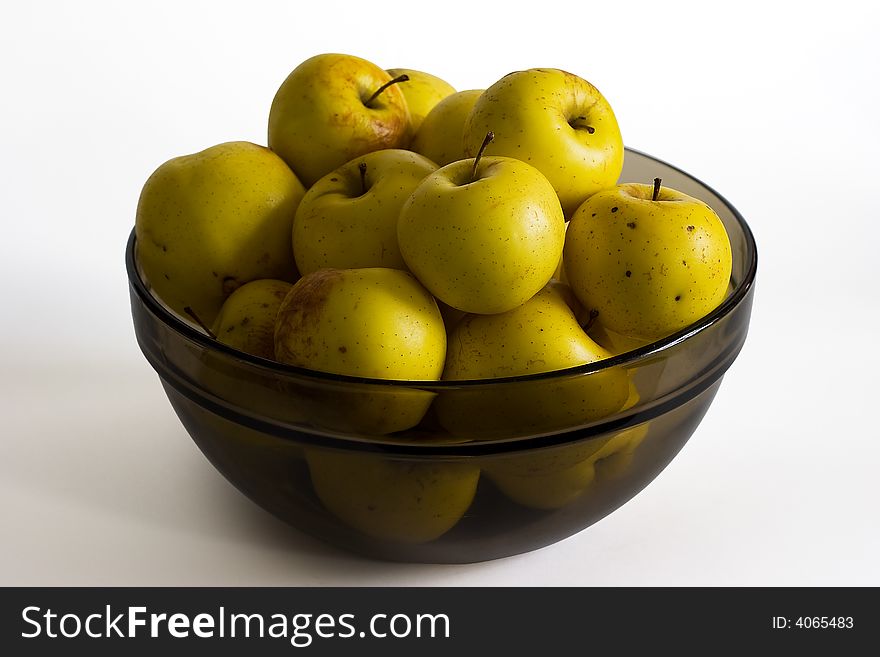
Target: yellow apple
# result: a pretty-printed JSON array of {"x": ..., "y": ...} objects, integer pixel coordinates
[
  {"x": 554, "y": 477},
  {"x": 375, "y": 323},
  {"x": 348, "y": 219},
  {"x": 542, "y": 335},
  {"x": 332, "y": 108},
  {"x": 422, "y": 92},
  {"x": 247, "y": 318},
  {"x": 392, "y": 499},
  {"x": 548, "y": 479},
  {"x": 557, "y": 122},
  {"x": 649, "y": 259},
  {"x": 483, "y": 235},
  {"x": 209, "y": 222},
  {"x": 440, "y": 136}
]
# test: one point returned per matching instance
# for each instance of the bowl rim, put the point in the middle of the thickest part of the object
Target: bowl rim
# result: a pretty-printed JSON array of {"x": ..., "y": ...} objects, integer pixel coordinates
[{"x": 626, "y": 359}]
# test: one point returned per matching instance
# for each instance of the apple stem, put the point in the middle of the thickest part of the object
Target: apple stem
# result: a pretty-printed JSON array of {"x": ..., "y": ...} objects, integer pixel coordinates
[
  {"x": 656, "y": 193},
  {"x": 592, "y": 320},
  {"x": 590, "y": 129},
  {"x": 362, "y": 167},
  {"x": 486, "y": 140},
  {"x": 399, "y": 78},
  {"x": 192, "y": 313}
]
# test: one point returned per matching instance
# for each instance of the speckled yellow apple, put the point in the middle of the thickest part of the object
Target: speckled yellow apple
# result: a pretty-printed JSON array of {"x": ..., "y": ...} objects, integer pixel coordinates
[
  {"x": 332, "y": 108},
  {"x": 440, "y": 137},
  {"x": 422, "y": 92},
  {"x": 557, "y": 122},
  {"x": 247, "y": 323},
  {"x": 483, "y": 235},
  {"x": 209, "y": 222},
  {"x": 651, "y": 260},
  {"x": 375, "y": 323},
  {"x": 348, "y": 219},
  {"x": 247, "y": 318},
  {"x": 542, "y": 335}
]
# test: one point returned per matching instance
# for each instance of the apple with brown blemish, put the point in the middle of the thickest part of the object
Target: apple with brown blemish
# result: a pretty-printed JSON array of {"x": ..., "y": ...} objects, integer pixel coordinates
[
  {"x": 373, "y": 322},
  {"x": 333, "y": 108},
  {"x": 247, "y": 318}
]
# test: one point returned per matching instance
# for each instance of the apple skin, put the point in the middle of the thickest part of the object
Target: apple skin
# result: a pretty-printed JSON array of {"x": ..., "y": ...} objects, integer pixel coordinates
[
  {"x": 247, "y": 317},
  {"x": 650, "y": 268},
  {"x": 375, "y": 323},
  {"x": 392, "y": 500},
  {"x": 209, "y": 222},
  {"x": 319, "y": 119},
  {"x": 338, "y": 225},
  {"x": 532, "y": 114},
  {"x": 372, "y": 322},
  {"x": 541, "y": 335},
  {"x": 422, "y": 92},
  {"x": 615, "y": 342},
  {"x": 483, "y": 245},
  {"x": 441, "y": 133},
  {"x": 555, "y": 477},
  {"x": 548, "y": 480}
]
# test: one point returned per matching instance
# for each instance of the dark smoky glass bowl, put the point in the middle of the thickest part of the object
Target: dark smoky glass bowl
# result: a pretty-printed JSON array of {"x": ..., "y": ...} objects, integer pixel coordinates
[{"x": 449, "y": 472}]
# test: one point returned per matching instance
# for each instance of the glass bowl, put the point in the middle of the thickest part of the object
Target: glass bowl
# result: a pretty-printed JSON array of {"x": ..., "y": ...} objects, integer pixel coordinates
[{"x": 449, "y": 472}]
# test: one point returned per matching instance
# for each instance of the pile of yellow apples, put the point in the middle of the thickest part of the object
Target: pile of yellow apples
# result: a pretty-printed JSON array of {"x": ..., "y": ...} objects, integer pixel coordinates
[{"x": 397, "y": 229}]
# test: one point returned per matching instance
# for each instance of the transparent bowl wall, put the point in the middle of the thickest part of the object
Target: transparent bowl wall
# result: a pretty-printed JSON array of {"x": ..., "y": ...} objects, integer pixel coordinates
[{"x": 489, "y": 469}]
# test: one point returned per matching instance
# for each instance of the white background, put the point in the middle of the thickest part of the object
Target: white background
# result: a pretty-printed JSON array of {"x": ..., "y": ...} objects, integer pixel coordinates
[{"x": 773, "y": 104}]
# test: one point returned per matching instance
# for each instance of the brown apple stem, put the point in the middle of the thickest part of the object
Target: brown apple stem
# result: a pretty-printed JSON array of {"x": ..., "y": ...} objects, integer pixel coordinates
[
  {"x": 574, "y": 124},
  {"x": 592, "y": 320},
  {"x": 399, "y": 78},
  {"x": 486, "y": 141},
  {"x": 656, "y": 193},
  {"x": 362, "y": 167},
  {"x": 192, "y": 313}
]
